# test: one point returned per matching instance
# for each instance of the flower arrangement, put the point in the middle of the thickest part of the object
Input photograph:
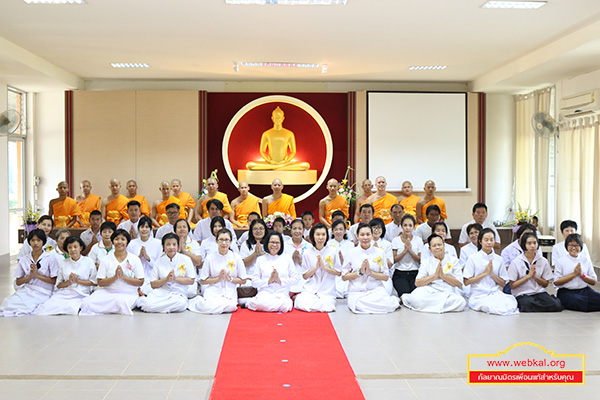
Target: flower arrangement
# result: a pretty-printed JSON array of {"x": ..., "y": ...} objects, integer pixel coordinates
[
  {"x": 347, "y": 191},
  {"x": 522, "y": 216},
  {"x": 269, "y": 219},
  {"x": 30, "y": 218},
  {"x": 204, "y": 188}
]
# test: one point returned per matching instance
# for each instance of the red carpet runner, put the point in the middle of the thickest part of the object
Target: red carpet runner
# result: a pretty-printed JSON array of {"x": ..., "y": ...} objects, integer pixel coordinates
[{"x": 294, "y": 355}]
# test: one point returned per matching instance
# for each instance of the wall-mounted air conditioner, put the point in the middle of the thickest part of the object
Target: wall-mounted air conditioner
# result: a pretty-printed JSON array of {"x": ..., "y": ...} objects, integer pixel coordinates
[{"x": 577, "y": 105}]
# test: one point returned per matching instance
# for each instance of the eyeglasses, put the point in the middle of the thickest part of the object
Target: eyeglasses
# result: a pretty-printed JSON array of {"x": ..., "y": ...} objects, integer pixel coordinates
[
  {"x": 258, "y": 229},
  {"x": 573, "y": 246},
  {"x": 275, "y": 243},
  {"x": 224, "y": 240}
]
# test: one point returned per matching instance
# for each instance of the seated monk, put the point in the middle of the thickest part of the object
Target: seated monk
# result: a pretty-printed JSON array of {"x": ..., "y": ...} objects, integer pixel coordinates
[
  {"x": 88, "y": 202},
  {"x": 367, "y": 191},
  {"x": 159, "y": 208},
  {"x": 212, "y": 186},
  {"x": 331, "y": 203},
  {"x": 428, "y": 200},
  {"x": 407, "y": 199},
  {"x": 132, "y": 194},
  {"x": 278, "y": 201},
  {"x": 64, "y": 209},
  {"x": 187, "y": 201},
  {"x": 278, "y": 140},
  {"x": 244, "y": 204},
  {"x": 382, "y": 201},
  {"x": 114, "y": 206}
]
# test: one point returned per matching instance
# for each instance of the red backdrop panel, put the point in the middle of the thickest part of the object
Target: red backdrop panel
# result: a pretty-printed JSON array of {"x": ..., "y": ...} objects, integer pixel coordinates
[{"x": 333, "y": 107}]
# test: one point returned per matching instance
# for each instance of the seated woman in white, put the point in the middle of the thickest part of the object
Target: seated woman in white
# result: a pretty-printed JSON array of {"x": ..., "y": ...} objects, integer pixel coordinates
[
  {"x": 105, "y": 246},
  {"x": 274, "y": 274},
  {"x": 45, "y": 224},
  {"x": 513, "y": 250},
  {"x": 120, "y": 275},
  {"x": 529, "y": 276},
  {"x": 366, "y": 269},
  {"x": 573, "y": 276},
  {"x": 222, "y": 271},
  {"x": 147, "y": 248},
  {"x": 209, "y": 245},
  {"x": 58, "y": 252},
  {"x": 170, "y": 278},
  {"x": 35, "y": 278},
  {"x": 191, "y": 248},
  {"x": 486, "y": 275},
  {"x": 296, "y": 248},
  {"x": 440, "y": 229},
  {"x": 321, "y": 268},
  {"x": 406, "y": 249},
  {"x": 378, "y": 228},
  {"x": 438, "y": 278},
  {"x": 470, "y": 248},
  {"x": 76, "y": 278},
  {"x": 253, "y": 247},
  {"x": 340, "y": 242}
]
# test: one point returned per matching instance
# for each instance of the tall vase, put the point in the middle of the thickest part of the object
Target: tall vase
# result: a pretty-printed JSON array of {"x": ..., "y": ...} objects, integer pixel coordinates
[{"x": 29, "y": 226}]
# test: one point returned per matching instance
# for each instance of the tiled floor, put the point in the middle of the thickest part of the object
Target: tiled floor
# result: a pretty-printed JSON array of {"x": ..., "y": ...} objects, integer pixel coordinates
[{"x": 404, "y": 355}]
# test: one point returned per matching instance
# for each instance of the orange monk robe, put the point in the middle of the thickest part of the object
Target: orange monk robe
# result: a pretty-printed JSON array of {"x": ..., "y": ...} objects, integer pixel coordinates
[
  {"x": 187, "y": 201},
  {"x": 222, "y": 197},
  {"x": 64, "y": 211},
  {"x": 246, "y": 207},
  {"x": 161, "y": 210},
  {"x": 145, "y": 207},
  {"x": 88, "y": 205},
  {"x": 410, "y": 204},
  {"x": 339, "y": 203},
  {"x": 382, "y": 208},
  {"x": 440, "y": 203},
  {"x": 116, "y": 210},
  {"x": 284, "y": 204}
]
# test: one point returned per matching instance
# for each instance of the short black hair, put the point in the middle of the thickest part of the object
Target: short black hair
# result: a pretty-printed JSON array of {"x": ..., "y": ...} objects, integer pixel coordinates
[
  {"x": 479, "y": 205},
  {"x": 408, "y": 216},
  {"x": 308, "y": 213},
  {"x": 317, "y": 226},
  {"x": 173, "y": 205},
  {"x": 367, "y": 206},
  {"x": 433, "y": 236},
  {"x": 268, "y": 237},
  {"x": 523, "y": 240},
  {"x": 72, "y": 239},
  {"x": 251, "y": 239},
  {"x": 481, "y": 233},
  {"x": 108, "y": 225},
  {"x": 44, "y": 218},
  {"x": 476, "y": 226},
  {"x": 433, "y": 207},
  {"x": 396, "y": 206},
  {"x": 178, "y": 221},
  {"x": 574, "y": 237},
  {"x": 439, "y": 223},
  {"x": 525, "y": 227},
  {"x": 121, "y": 232},
  {"x": 378, "y": 222},
  {"x": 95, "y": 212},
  {"x": 216, "y": 202},
  {"x": 134, "y": 203},
  {"x": 336, "y": 223},
  {"x": 338, "y": 213},
  {"x": 568, "y": 224},
  {"x": 169, "y": 235},
  {"x": 254, "y": 213},
  {"x": 214, "y": 221},
  {"x": 280, "y": 219},
  {"x": 145, "y": 220},
  {"x": 362, "y": 225},
  {"x": 38, "y": 233}
]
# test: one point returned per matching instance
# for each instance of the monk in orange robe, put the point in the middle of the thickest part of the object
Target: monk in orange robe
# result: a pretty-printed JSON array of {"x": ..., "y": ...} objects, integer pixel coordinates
[
  {"x": 428, "y": 200},
  {"x": 186, "y": 199},
  {"x": 114, "y": 206},
  {"x": 407, "y": 199},
  {"x": 382, "y": 201},
  {"x": 332, "y": 202},
  {"x": 159, "y": 208},
  {"x": 212, "y": 187},
  {"x": 132, "y": 188},
  {"x": 88, "y": 202},
  {"x": 64, "y": 209},
  {"x": 367, "y": 191},
  {"x": 244, "y": 204},
  {"x": 278, "y": 201}
]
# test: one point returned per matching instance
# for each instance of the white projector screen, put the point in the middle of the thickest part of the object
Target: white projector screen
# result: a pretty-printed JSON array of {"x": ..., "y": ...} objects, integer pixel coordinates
[{"x": 417, "y": 137}]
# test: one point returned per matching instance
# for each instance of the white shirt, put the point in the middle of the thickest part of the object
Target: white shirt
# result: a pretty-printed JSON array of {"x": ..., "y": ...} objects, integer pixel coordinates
[
  {"x": 131, "y": 266},
  {"x": 464, "y": 236},
  {"x": 559, "y": 251},
  {"x": 46, "y": 265},
  {"x": 126, "y": 224},
  {"x": 424, "y": 231},
  {"x": 210, "y": 245},
  {"x": 242, "y": 239},
  {"x": 98, "y": 252},
  {"x": 26, "y": 248},
  {"x": 387, "y": 248},
  {"x": 377, "y": 263},
  {"x": 202, "y": 230},
  {"x": 245, "y": 252},
  {"x": 153, "y": 249},
  {"x": 163, "y": 230},
  {"x": 285, "y": 269},
  {"x": 84, "y": 268},
  {"x": 182, "y": 267},
  {"x": 512, "y": 251},
  {"x": 289, "y": 247},
  {"x": 467, "y": 251},
  {"x": 391, "y": 231},
  {"x": 344, "y": 246},
  {"x": 232, "y": 263},
  {"x": 519, "y": 267},
  {"x": 449, "y": 250},
  {"x": 88, "y": 235},
  {"x": 476, "y": 264},
  {"x": 321, "y": 282},
  {"x": 566, "y": 265},
  {"x": 450, "y": 265},
  {"x": 407, "y": 263}
]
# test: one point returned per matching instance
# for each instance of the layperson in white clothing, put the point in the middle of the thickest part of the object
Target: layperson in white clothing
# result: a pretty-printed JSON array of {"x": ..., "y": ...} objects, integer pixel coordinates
[
  {"x": 394, "y": 228},
  {"x": 91, "y": 236},
  {"x": 170, "y": 278},
  {"x": 274, "y": 274},
  {"x": 45, "y": 224},
  {"x": 438, "y": 278},
  {"x": 189, "y": 247},
  {"x": 308, "y": 219},
  {"x": 209, "y": 245},
  {"x": 513, "y": 250},
  {"x": 469, "y": 249},
  {"x": 425, "y": 230},
  {"x": 529, "y": 276},
  {"x": 105, "y": 246},
  {"x": 120, "y": 274},
  {"x": 134, "y": 211},
  {"x": 339, "y": 241},
  {"x": 573, "y": 276},
  {"x": 202, "y": 230},
  {"x": 279, "y": 225},
  {"x": 559, "y": 250},
  {"x": 486, "y": 276},
  {"x": 75, "y": 280},
  {"x": 173, "y": 211},
  {"x": 35, "y": 276},
  {"x": 406, "y": 249},
  {"x": 147, "y": 249},
  {"x": 321, "y": 267},
  {"x": 367, "y": 211},
  {"x": 480, "y": 213},
  {"x": 244, "y": 236},
  {"x": 222, "y": 271},
  {"x": 378, "y": 229},
  {"x": 253, "y": 247},
  {"x": 366, "y": 269},
  {"x": 440, "y": 229},
  {"x": 61, "y": 235},
  {"x": 296, "y": 247}
]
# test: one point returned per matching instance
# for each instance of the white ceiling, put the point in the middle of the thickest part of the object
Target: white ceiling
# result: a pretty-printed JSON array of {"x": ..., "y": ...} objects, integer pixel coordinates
[{"x": 57, "y": 47}]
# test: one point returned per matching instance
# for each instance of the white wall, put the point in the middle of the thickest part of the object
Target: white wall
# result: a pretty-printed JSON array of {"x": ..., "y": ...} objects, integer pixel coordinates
[
  {"x": 48, "y": 133},
  {"x": 4, "y": 231},
  {"x": 577, "y": 84},
  {"x": 500, "y": 154}
]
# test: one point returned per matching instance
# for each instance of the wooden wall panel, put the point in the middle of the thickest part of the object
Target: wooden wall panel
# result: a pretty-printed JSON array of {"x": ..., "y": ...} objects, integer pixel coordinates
[{"x": 103, "y": 138}]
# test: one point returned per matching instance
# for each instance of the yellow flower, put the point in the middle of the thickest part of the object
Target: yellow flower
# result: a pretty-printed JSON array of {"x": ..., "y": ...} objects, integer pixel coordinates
[
  {"x": 379, "y": 261},
  {"x": 448, "y": 267},
  {"x": 188, "y": 248},
  {"x": 231, "y": 264},
  {"x": 181, "y": 269},
  {"x": 329, "y": 261}
]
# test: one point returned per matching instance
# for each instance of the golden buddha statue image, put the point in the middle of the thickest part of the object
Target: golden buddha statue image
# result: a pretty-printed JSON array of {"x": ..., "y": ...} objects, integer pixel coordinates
[{"x": 274, "y": 146}]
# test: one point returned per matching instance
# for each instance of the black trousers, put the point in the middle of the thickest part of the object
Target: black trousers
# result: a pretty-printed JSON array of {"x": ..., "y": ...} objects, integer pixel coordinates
[
  {"x": 539, "y": 302},
  {"x": 585, "y": 299},
  {"x": 404, "y": 281}
]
